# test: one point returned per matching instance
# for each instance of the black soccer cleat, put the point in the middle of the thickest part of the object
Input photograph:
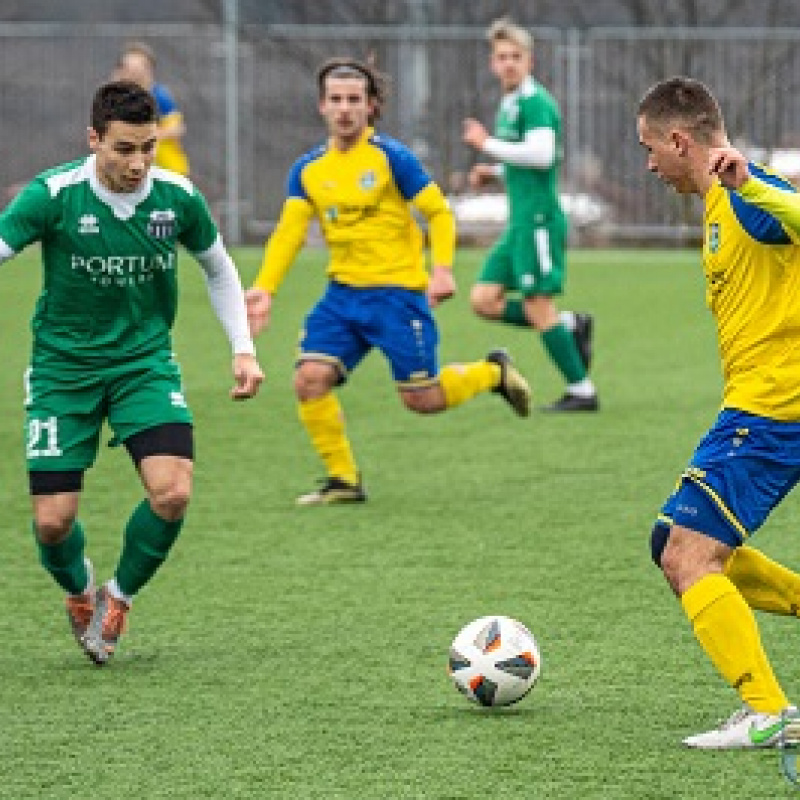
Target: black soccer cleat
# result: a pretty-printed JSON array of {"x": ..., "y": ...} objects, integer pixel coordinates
[
  {"x": 571, "y": 402},
  {"x": 334, "y": 490},
  {"x": 513, "y": 388},
  {"x": 584, "y": 330}
]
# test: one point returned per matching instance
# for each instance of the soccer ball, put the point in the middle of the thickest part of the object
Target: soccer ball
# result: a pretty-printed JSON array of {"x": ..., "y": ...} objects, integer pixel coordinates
[{"x": 494, "y": 661}]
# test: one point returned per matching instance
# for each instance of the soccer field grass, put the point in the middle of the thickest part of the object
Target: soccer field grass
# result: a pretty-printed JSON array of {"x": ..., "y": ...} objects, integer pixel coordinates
[{"x": 301, "y": 653}]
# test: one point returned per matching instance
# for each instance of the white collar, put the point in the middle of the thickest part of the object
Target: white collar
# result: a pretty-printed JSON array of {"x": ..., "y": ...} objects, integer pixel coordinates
[{"x": 123, "y": 204}]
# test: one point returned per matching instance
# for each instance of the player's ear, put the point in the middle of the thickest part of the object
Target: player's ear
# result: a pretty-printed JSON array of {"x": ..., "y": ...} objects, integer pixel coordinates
[
  {"x": 93, "y": 138},
  {"x": 680, "y": 141}
]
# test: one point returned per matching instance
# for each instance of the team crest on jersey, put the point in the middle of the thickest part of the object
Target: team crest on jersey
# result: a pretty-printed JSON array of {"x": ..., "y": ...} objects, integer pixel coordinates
[
  {"x": 161, "y": 224},
  {"x": 88, "y": 224},
  {"x": 368, "y": 179},
  {"x": 714, "y": 237}
]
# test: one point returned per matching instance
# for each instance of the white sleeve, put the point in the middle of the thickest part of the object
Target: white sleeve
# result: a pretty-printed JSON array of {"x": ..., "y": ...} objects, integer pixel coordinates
[
  {"x": 227, "y": 297},
  {"x": 5, "y": 251},
  {"x": 537, "y": 150}
]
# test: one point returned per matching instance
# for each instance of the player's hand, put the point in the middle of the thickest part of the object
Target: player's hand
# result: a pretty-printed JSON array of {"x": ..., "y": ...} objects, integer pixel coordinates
[
  {"x": 258, "y": 302},
  {"x": 442, "y": 286},
  {"x": 474, "y": 133},
  {"x": 480, "y": 175},
  {"x": 729, "y": 165},
  {"x": 248, "y": 376}
]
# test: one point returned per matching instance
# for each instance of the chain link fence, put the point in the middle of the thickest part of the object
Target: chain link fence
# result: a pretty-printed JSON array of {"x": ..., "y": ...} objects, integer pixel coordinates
[{"x": 439, "y": 75}]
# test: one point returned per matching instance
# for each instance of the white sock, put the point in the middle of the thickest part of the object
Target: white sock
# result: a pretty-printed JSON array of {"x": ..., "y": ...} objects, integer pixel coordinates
[
  {"x": 584, "y": 388},
  {"x": 567, "y": 319},
  {"x": 115, "y": 591}
]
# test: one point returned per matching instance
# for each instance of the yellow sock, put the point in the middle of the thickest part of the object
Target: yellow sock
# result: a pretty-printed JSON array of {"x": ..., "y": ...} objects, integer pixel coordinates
[
  {"x": 461, "y": 382},
  {"x": 324, "y": 421},
  {"x": 726, "y": 628},
  {"x": 764, "y": 584}
]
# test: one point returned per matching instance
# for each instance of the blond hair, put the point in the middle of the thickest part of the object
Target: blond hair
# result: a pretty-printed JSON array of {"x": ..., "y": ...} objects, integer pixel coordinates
[{"x": 506, "y": 30}]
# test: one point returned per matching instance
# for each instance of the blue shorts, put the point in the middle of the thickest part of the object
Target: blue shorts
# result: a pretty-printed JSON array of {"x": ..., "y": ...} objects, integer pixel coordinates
[
  {"x": 742, "y": 468},
  {"x": 347, "y": 322}
]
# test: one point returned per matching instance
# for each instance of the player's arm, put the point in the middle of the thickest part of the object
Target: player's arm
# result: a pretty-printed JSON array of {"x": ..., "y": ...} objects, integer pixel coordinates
[
  {"x": 24, "y": 220},
  {"x": 227, "y": 299},
  {"x": 433, "y": 205},
  {"x": 731, "y": 167},
  {"x": 279, "y": 253},
  {"x": 537, "y": 149},
  {"x": 200, "y": 237}
]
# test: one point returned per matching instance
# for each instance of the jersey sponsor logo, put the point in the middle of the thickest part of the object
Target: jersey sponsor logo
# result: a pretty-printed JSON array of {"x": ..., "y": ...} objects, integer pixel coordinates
[
  {"x": 161, "y": 224},
  {"x": 122, "y": 270},
  {"x": 714, "y": 237},
  {"x": 88, "y": 223},
  {"x": 368, "y": 179}
]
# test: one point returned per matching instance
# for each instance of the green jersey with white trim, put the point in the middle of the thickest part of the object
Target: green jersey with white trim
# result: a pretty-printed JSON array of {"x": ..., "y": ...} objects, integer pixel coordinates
[
  {"x": 532, "y": 192},
  {"x": 110, "y": 288}
]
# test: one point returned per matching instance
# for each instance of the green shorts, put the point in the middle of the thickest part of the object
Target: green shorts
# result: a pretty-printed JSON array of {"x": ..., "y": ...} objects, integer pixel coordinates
[
  {"x": 528, "y": 260},
  {"x": 65, "y": 407}
]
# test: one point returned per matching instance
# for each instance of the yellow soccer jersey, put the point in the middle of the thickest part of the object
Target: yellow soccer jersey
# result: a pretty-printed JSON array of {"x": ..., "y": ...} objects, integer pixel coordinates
[
  {"x": 751, "y": 261},
  {"x": 361, "y": 198}
]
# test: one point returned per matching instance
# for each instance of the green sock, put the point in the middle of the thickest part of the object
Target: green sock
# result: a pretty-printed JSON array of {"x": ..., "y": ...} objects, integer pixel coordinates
[
  {"x": 148, "y": 539},
  {"x": 64, "y": 561},
  {"x": 560, "y": 346},
  {"x": 514, "y": 313}
]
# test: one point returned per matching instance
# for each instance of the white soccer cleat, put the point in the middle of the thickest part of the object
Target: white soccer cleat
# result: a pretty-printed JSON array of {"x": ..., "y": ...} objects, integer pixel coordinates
[{"x": 746, "y": 728}]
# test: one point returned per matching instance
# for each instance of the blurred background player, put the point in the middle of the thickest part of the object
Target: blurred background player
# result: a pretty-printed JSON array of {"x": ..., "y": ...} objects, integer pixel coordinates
[
  {"x": 137, "y": 63},
  {"x": 360, "y": 185},
  {"x": 529, "y": 258},
  {"x": 750, "y": 458},
  {"x": 109, "y": 227}
]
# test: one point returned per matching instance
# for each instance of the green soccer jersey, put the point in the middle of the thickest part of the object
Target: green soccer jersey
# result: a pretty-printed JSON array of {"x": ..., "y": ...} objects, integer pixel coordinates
[
  {"x": 110, "y": 289},
  {"x": 532, "y": 192}
]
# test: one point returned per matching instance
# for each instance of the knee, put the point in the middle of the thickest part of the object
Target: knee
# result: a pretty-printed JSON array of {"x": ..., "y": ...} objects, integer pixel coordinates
[
  {"x": 485, "y": 304},
  {"x": 53, "y": 524},
  {"x": 424, "y": 401},
  {"x": 314, "y": 379},
  {"x": 170, "y": 498}
]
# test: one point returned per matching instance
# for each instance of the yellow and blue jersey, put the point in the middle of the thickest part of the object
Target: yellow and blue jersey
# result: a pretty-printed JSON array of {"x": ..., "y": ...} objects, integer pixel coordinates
[
  {"x": 362, "y": 198},
  {"x": 751, "y": 260},
  {"x": 169, "y": 151}
]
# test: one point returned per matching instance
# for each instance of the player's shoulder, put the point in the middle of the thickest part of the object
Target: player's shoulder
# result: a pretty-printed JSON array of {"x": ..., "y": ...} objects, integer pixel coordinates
[
  {"x": 770, "y": 176},
  {"x": 57, "y": 179},
  {"x": 165, "y": 102},
  {"x": 174, "y": 182},
  {"x": 391, "y": 147},
  {"x": 309, "y": 157}
]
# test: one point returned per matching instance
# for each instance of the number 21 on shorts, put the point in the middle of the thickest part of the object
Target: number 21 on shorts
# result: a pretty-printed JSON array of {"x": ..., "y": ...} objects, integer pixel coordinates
[{"x": 43, "y": 438}]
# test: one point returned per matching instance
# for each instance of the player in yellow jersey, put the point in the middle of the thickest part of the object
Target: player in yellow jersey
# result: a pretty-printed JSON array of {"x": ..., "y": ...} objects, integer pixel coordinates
[
  {"x": 750, "y": 459},
  {"x": 137, "y": 63},
  {"x": 361, "y": 186}
]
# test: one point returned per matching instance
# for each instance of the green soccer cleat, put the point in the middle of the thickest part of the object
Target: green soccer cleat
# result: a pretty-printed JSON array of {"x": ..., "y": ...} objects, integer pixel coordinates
[
  {"x": 334, "y": 490},
  {"x": 513, "y": 388}
]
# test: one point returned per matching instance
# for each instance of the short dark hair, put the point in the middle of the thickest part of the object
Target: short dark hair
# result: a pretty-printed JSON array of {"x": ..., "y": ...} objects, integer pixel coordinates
[
  {"x": 352, "y": 68},
  {"x": 122, "y": 101},
  {"x": 686, "y": 101}
]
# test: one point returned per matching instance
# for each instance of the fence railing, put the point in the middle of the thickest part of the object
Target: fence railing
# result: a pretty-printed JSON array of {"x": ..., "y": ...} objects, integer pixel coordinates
[{"x": 439, "y": 76}]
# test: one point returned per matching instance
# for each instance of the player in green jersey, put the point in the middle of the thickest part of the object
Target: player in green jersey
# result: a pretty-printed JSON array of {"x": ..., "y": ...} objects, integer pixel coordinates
[
  {"x": 525, "y": 269},
  {"x": 109, "y": 226}
]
